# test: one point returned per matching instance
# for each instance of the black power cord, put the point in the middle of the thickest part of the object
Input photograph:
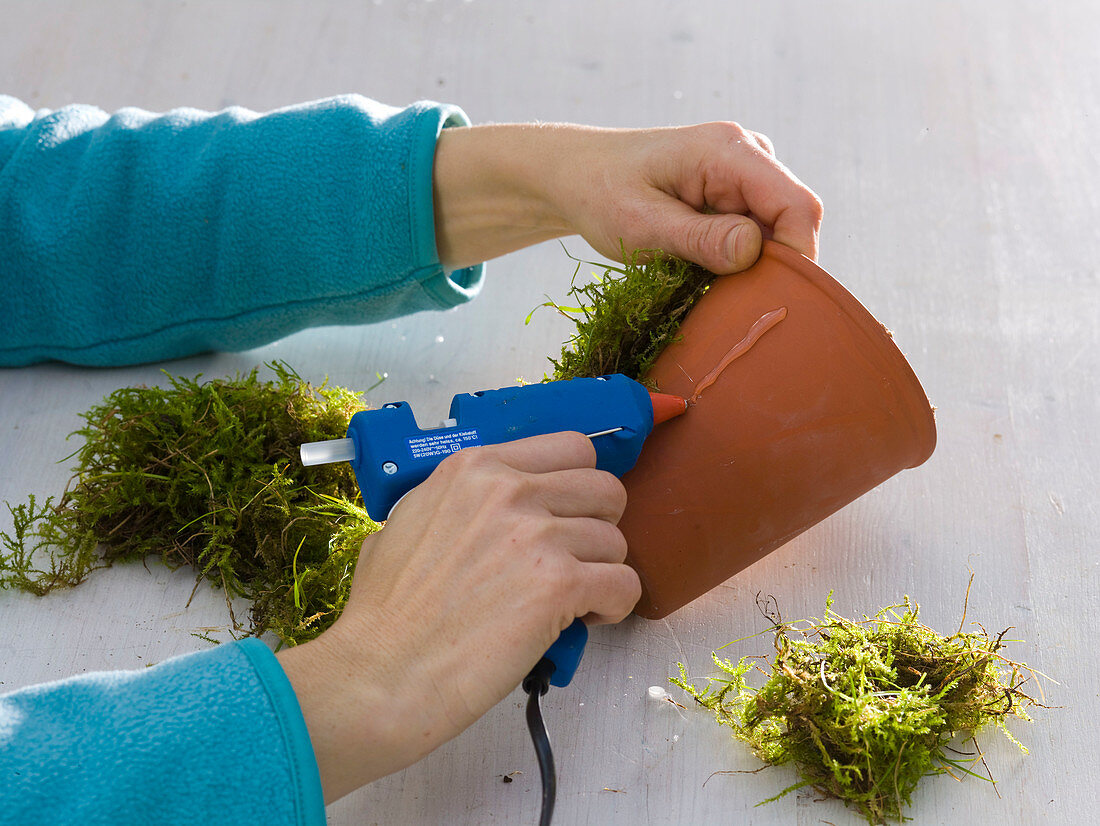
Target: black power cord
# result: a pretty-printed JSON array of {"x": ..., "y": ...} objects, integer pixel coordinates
[{"x": 536, "y": 684}]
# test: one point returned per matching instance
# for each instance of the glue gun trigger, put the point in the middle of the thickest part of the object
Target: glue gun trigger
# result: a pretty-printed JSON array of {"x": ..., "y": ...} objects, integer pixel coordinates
[
  {"x": 604, "y": 432},
  {"x": 451, "y": 423}
]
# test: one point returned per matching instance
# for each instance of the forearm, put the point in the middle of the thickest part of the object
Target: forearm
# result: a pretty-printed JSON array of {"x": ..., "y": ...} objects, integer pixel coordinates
[
  {"x": 492, "y": 190},
  {"x": 214, "y": 737},
  {"x": 138, "y": 236},
  {"x": 365, "y": 718}
]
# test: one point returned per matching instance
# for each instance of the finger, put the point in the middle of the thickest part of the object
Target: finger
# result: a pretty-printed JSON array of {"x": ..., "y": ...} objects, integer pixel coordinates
[
  {"x": 764, "y": 142},
  {"x": 590, "y": 540},
  {"x": 610, "y": 592},
  {"x": 792, "y": 210},
  {"x": 799, "y": 230},
  {"x": 541, "y": 454},
  {"x": 583, "y": 492},
  {"x": 721, "y": 242},
  {"x": 747, "y": 178}
]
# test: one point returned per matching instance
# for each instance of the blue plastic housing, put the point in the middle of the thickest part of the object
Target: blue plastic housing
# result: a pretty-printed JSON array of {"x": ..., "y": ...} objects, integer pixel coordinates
[
  {"x": 566, "y": 652},
  {"x": 393, "y": 455}
]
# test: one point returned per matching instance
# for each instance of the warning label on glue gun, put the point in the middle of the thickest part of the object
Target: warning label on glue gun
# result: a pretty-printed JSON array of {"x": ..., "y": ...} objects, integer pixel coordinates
[{"x": 442, "y": 444}]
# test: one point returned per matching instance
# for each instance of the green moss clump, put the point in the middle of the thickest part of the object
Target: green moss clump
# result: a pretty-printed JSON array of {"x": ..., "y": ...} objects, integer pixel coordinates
[
  {"x": 628, "y": 315},
  {"x": 207, "y": 474},
  {"x": 865, "y": 709}
]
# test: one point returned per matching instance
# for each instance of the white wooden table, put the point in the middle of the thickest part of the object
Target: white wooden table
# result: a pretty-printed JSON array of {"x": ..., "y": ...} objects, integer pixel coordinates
[{"x": 955, "y": 146}]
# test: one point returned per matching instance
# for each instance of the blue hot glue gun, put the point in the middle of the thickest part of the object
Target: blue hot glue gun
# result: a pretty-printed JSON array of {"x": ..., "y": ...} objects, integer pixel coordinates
[{"x": 391, "y": 454}]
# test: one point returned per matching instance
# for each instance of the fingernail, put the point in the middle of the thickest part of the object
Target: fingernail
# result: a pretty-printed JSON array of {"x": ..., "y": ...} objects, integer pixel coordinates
[{"x": 743, "y": 244}]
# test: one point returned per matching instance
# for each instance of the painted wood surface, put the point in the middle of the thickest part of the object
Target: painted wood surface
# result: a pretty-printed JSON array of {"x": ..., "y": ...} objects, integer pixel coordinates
[{"x": 955, "y": 148}]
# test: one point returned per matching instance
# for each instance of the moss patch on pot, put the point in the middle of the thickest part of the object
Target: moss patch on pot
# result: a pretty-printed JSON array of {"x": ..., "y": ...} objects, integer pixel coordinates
[
  {"x": 627, "y": 315},
  {"x": 865, "y": 708},
  {"x": 207, "y": 475}
]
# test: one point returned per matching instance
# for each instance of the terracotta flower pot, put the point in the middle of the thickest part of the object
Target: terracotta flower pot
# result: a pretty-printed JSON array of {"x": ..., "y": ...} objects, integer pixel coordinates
[{"x": 800, "y": 403}]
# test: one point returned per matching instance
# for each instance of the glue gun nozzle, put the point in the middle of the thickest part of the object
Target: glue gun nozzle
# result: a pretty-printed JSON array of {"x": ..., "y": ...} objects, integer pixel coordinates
[{"x": 667, "y": 406}]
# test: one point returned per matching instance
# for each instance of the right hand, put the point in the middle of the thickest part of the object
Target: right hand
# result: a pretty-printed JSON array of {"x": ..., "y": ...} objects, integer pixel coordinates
[{"x": 474, "y": 576}]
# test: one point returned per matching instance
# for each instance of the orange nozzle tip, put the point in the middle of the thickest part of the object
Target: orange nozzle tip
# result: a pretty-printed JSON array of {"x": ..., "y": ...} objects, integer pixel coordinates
[{"x": 666, "y": 406}]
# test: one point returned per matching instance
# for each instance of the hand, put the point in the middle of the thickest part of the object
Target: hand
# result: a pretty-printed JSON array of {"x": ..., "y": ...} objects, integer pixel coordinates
[
  {"x": 471, "y": 580},
  {"x": 707, "y": 193},
  {"x": 704, "y": 193}
]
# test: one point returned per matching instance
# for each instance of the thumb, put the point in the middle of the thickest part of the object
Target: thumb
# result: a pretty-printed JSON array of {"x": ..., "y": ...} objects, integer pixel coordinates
[{"x": 723, "y": 243}]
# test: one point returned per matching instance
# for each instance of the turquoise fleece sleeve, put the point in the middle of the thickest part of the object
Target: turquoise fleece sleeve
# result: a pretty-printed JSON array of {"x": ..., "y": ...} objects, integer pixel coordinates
[
  {"x": 213, "y": 737},
  {"x": 137, "y": 237}
]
